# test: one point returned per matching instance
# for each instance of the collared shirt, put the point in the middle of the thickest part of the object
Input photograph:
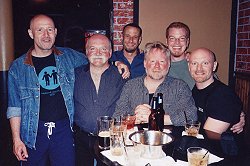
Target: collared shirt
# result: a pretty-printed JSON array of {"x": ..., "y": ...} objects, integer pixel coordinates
[
  {"x": 88, "y": 103},
  {"x": 24, "y": 89},
  {"x": 177, "y": 98},
  {"x": 136, "y": 68}
]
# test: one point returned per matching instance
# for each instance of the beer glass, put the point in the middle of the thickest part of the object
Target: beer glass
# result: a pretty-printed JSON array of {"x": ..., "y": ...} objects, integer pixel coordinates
[{"x": 103, "y": 124}]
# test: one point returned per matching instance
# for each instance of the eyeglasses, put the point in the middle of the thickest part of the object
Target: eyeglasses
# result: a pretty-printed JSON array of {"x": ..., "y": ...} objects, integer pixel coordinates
[{"x": 181, "y": 39}]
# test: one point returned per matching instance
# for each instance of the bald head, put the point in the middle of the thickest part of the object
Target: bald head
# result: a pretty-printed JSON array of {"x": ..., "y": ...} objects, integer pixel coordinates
[
  {"x": 202, "y": 64},
  {"x": 38, "y": 18},
  {"x": 204, "y": 51},
  {"x": 98, "y": 51},
  {"x": 98, "y": 37}
]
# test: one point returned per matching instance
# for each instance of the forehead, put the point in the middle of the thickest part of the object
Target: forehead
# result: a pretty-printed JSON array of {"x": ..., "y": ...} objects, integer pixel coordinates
[
  {"x": 177, "y": 32},
  {"x": 131, "y": 30},
  {"x": 201, "y": 55},
  {"x": 42, "y": 21},
  {"x": 156, "y": 54},
  {"x": 95, "y": 41}
]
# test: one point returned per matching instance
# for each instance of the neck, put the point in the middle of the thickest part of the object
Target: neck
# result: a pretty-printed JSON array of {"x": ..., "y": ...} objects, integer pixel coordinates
[
  {"x": 205, "y": 84},
  {"x": 152, "y": 84},
  {"x": 177, "y": 59},
  {"x": 41, "y": 53},
  {"x": 130, "y": 56},
  {"x": 98, "y": 70}
]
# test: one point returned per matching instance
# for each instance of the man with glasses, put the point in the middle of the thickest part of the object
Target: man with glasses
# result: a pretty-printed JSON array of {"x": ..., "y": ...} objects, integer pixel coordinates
[{"x": 178, "y": 40}]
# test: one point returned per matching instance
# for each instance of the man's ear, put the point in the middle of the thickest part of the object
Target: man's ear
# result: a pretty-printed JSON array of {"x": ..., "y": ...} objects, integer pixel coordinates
[
  {"x": 167, "y": 42},
  {"x": 215, "y": 66},
  {"x": 55, "y": 31},
  {"x": 30, "y": 33}
]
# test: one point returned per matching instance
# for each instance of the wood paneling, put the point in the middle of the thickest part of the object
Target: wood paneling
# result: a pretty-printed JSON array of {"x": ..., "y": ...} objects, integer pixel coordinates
[{"x": 242, "y": 88}]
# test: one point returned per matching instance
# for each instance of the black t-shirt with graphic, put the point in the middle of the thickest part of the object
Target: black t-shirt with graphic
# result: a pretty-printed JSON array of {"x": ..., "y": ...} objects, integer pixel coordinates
[{"x": 52, "y": 105}]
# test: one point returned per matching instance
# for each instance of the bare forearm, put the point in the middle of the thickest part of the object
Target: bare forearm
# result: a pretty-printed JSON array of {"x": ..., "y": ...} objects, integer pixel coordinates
[{"x": 15, "y": 127}]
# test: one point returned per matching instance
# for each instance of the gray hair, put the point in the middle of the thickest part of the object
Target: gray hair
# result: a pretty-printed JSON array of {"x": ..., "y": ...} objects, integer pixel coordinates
[{"x": 156, "y": 45}]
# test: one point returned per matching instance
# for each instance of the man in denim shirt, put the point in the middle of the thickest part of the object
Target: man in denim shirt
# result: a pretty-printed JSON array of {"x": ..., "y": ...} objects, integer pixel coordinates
[
  {"x": 40, "y": 106},
  {"x": 130, "y": 54}
]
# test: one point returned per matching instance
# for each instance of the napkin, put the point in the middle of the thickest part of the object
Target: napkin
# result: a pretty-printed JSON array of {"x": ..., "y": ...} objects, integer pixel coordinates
[
  {"x": 212, "y": 159},
  {"x": 199, "y": 136},
  {"x": 164, "y": 130},
  {"x": 167, "y": 160},
  {"x": 130, "y": 131}
]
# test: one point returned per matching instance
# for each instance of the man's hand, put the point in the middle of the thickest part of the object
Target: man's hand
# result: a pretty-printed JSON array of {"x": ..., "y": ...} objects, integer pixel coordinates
[
  {"x": 142, "y": 113},
  {"x": 123, "y": 69},
  {"x": 238, "y": 127},
  {"x": 20, "y": 150}
]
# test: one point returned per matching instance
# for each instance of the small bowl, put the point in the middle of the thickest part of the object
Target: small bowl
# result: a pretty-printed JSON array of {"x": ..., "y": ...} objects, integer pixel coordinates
[{"x": 151, "y": 143}]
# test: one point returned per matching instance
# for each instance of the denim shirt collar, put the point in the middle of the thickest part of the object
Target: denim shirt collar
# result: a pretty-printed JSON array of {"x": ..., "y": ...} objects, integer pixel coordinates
[{"x": 28, "y": 58}]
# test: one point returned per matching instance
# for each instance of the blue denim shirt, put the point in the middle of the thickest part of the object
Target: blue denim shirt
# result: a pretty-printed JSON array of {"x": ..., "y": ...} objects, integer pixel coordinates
[
  {"x": 136, "y": 68},
  {"x": 24, "y": 89}
]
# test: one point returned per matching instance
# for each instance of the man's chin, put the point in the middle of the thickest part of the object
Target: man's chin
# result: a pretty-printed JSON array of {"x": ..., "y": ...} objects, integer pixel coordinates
[{"x": 130, "y": 50}]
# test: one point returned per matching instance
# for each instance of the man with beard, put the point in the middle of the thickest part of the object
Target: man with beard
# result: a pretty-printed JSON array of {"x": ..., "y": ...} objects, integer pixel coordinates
[
  {"x": 130, "y": 55},
  {"x": 41, "y": 114},
  {"x": 177, "y": 40},
  {"x": 97, "y": 88},
  {"x": 137, "y": 93}
]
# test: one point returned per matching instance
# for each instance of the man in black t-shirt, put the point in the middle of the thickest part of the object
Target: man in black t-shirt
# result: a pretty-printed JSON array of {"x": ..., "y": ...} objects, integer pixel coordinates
[{"x": 218, "y": 106}]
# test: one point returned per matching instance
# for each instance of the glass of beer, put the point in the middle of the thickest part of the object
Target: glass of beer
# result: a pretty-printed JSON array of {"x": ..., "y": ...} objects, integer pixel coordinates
[
  {"x": 197, "y": 156},
  {"x": 104, "y": 123},
  {"x": 192, "y": 128},
  {"x": 117, "y": 137}
]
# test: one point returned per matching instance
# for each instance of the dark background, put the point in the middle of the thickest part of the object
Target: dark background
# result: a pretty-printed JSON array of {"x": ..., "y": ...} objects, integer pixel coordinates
[{"x": 72, "y": 18}]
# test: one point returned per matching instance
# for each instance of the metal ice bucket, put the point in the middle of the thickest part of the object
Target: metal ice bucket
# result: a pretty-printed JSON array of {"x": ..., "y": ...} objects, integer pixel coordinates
[{"x": 151, "y": 143}]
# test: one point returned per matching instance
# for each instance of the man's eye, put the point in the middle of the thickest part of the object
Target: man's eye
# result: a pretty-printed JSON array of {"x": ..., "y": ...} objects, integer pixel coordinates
[{"x": 206, "y": 63}]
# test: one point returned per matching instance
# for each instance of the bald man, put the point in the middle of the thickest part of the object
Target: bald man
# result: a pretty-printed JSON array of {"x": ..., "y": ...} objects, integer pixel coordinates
[
  {"x": 218, "y": 106},
  {"x": 40, "y": 106},
  {"x": 97, "y": 88}
]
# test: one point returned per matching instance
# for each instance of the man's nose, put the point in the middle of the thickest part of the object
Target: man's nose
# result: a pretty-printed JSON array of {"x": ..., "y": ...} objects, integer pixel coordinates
[
  {"x": 46, "y": 32},
  {"x": 157, "y": 64}
]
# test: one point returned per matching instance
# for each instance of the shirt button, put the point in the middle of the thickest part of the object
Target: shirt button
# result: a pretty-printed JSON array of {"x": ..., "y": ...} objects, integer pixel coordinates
[
  {"x": 36, "y": 114},
  {"x": 34, "y": 131},
  {"x": 95, "y": 101},
  {"x": 37, "y": 84},
  {"x": 37, "y": 96}
]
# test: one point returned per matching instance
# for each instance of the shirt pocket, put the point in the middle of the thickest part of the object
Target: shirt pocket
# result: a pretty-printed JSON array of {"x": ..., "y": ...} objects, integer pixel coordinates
[{"x": 27, "y": 98}]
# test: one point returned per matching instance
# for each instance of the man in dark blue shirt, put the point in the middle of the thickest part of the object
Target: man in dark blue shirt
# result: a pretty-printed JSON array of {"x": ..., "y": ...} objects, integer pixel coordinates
[
  {"x": 130, "y": 54},
  {"x": 97, "y": 88}
]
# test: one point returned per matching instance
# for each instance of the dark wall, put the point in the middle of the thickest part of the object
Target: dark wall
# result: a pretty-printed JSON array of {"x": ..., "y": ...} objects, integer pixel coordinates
[{"x": 72, "y": 18}]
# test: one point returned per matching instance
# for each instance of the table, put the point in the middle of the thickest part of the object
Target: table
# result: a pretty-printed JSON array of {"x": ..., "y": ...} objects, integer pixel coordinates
[{"x": 211, "y": 142}]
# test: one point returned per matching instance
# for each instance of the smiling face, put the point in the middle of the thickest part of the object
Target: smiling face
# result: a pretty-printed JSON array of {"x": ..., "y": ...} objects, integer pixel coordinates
[
  {"x": 98, "y": 50},
  {"x": 177, "y": 42},
  {"x": 202, "y": 66},
  {"x": 43, "y": 31},
  {"x": 156, "y": 64},
  {"x": 131, "y": 39}
]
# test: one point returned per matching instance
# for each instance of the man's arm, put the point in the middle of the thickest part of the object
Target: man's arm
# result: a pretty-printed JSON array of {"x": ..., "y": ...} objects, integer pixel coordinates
[
  {"x": 19, "y": 148},
  {"x": 215, "y": 125},
  {"x": 123, "y": 69},
  {"x": 238, "y": 127}
]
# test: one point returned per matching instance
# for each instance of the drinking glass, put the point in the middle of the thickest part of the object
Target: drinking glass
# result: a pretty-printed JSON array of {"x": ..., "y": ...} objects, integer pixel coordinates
[
  {"x": 197, "y": 156},
  {"x": 104, "y": 123}
]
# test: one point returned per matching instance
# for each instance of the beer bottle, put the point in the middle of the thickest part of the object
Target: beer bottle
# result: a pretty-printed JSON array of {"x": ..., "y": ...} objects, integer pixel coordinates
[
  {"x": 160, "y": 112},
  {"x": 152, "y": 124}
]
